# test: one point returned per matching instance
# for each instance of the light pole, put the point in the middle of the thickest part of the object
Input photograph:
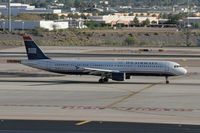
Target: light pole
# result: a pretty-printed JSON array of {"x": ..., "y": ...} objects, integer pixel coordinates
[
  {"x": 22, "y": 25},
  {"x": 9, "y": 17},
  {"x": 4, "y": 26},
  {"x": 188, "y": 25}
]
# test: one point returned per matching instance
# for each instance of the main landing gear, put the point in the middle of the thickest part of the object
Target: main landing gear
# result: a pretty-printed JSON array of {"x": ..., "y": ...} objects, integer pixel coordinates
[
  {"x": 103, "y": 80},
  {"x": 167, "y": 80}
]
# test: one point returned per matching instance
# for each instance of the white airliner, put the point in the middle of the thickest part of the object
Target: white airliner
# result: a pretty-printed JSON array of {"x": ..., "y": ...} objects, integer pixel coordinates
[{"x": 115, "y": 70}]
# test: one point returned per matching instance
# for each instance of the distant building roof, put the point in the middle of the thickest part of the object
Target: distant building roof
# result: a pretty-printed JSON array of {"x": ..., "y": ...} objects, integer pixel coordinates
[
  {"x": 192, "y": 18},
  {"x": 18, "y": 8},
  {"x": 121, "y": 19}
]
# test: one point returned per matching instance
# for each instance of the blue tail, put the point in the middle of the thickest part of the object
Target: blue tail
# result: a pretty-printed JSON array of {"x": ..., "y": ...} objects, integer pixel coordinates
[{"x": 32, "y": 50}]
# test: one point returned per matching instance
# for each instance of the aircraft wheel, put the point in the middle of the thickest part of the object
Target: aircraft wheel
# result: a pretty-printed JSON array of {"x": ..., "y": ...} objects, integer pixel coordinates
[
  {"x": 167, "y": 81},
  {"x": 105, "y": 80},
  {"x": 101, "y": 81}
]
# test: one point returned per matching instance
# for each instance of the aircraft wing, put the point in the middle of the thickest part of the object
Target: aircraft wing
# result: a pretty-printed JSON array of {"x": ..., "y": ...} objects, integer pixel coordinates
[{"x": 96, "y": 71}]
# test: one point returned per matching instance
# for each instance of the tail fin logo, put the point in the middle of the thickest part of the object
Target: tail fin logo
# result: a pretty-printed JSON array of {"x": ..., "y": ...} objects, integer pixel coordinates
[{"x": 32, "y": 50}]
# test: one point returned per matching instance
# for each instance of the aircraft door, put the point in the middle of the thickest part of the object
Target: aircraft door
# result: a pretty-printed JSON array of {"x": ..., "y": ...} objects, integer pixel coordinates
[{"x": 167, "y": 68}]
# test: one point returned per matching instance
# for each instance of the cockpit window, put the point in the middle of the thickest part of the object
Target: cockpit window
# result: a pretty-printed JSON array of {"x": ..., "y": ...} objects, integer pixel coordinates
[{"x": 177, "y": 66}]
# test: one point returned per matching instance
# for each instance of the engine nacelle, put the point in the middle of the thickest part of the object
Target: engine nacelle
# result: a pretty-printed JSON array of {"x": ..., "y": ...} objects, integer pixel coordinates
[
  {"x": 128, "y": 76},
  {"x": 118, "y": 76}
]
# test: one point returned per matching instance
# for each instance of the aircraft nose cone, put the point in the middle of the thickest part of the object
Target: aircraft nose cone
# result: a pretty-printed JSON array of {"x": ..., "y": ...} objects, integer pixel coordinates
[{"x": 184, "y": 71}]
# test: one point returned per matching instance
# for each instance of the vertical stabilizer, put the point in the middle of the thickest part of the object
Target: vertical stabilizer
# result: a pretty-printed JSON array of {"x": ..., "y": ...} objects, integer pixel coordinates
[{"x": 32, "y": 50}]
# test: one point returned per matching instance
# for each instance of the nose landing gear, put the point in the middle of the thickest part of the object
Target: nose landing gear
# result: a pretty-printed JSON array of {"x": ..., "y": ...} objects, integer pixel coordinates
[{"x": 167, "y": 80}]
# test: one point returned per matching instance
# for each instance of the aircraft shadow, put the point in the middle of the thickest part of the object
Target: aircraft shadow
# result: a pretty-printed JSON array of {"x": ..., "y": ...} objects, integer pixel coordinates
[
  {"x": 60, "y": 82},
  {"x": 57, "y": 82}
]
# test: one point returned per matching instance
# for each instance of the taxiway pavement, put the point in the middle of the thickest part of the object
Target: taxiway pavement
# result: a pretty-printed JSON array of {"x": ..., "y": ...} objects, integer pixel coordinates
[{"x": 31, "y": 94}]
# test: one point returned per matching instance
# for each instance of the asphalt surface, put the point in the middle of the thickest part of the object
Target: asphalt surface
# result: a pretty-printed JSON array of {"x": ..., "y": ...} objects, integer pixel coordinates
[
  {"x": 66, "y": 55},
  {"x": 16, "y": 126},
  {"x": 65, "y": 103},
  {"x": 27, "y": 93}
]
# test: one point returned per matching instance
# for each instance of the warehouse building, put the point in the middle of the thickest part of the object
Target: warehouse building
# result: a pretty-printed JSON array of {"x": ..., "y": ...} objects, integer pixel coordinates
[
  {"x": 19, "y": 8},
  {"x": 30, "y": 25}
]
